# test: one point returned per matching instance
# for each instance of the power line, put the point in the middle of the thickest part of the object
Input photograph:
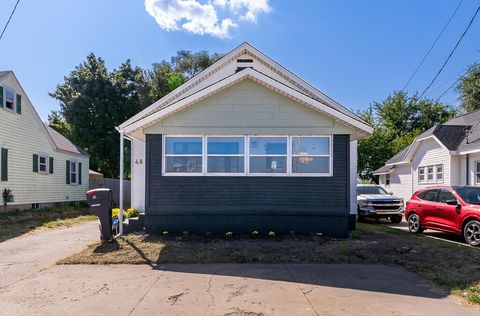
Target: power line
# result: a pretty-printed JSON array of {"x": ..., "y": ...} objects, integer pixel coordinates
[
  {"x": 451, "y": 53},
  {"x": 433, "y": 45},
  {"x": 11, "y": 14}
]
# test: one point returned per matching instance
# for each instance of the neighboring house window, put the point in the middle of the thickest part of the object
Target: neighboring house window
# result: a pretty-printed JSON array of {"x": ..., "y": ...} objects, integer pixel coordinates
[
  {"x": 268, "y": 155},
  {"x": 9, "y": 99},
  {"x": 430, "y": 174},
  {"x": 225, "y": 155},
  {"x": 311, "y": 155},
  {"x": 421, "y": 175},
  {"x": 73, "y": 172},
  {"x": 183, "y": 155},
  {"x": 248, "y": 155},
  {"x": 387, "y": 179},
  {"x": 477, "y": 172},
  {"x": 42, "y": 163}
]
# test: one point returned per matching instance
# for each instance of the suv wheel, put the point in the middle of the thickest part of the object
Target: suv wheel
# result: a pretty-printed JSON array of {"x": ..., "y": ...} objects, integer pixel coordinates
[
  {"x": 414, "y": 224},
  {"x": 471, "y": 233},
  {"x": 396, "y": 219}
]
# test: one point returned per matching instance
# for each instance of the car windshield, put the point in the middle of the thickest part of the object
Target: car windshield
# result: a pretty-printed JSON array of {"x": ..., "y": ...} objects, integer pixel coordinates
[
  {"x": 371, "y": 190},
  {"x": 469, "y": 195}
]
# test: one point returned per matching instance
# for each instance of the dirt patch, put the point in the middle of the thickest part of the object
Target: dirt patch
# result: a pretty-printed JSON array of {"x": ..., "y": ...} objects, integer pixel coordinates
[{"x": 452, "y": 266}]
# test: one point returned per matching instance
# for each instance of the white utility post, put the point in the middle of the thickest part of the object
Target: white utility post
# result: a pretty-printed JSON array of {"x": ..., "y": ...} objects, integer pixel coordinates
[{"x": 120, "y": 198}]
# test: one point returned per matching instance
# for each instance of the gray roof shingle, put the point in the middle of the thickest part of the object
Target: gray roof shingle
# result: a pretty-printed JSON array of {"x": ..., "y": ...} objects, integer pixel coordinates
[{"x": 63, "y": 143}]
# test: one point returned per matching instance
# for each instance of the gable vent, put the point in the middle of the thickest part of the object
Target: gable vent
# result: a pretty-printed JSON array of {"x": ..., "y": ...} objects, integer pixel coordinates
[{"x": 243, "y": 63}]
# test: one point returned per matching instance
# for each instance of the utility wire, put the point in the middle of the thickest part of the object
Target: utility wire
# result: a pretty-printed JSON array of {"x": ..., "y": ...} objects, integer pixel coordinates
[
  {"x": 451, "y": 53},
  {"x": 11, "y": 14},
  {"x": 433, "y": 45}
]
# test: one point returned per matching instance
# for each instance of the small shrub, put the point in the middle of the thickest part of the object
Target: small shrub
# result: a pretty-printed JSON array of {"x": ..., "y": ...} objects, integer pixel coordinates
[
  {"x": 132, "y": 212},
  {"x": 319, "y": 234},
  {"x": 115, "y": 213},
  {"x": 165, "y": 233},
  {"x": 271, "y": 234},
  {"x": 229, "y": 234},
  {"x": 255, "y": 234},
  {"x": 292, "y": 233}
]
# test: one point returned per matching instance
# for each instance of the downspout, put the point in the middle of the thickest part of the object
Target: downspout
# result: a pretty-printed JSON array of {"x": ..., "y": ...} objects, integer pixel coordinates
[
  {"x": 120, "y": 198},
  {"x": 467, "y": 169}
]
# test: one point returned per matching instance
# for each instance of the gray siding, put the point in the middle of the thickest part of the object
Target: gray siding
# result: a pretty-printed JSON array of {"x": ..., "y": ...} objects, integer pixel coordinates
[{"x": 220, "y": 204}]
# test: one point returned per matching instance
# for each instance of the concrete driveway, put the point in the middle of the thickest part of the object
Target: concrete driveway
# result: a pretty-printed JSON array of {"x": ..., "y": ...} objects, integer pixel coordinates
[
  {"x": 227, "y": 289},
  {"x": 25, "y": 256}
]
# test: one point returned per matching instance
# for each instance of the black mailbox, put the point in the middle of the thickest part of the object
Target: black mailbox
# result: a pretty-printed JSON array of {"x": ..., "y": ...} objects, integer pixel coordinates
[{"x": 100, "y": 201}]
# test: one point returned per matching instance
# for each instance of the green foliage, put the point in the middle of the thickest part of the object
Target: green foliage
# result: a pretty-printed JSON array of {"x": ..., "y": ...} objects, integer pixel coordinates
[
  {"x": 229, "y": 234},
  {"x": 469, "y": 89},
  {"x": 255, "y": 233},
  {"x": 165, "y": 233},
  {"x": 94, "y": 100},
  {"x": 397, "y": 120},
  {"x": 271, "y": 233},
  {"x": 132, "y": 212}
]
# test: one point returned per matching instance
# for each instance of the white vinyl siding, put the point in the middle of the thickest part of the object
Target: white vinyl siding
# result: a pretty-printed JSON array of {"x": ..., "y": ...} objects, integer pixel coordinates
[
  {"x": 400, "y": 181},
  {"x": 428, "y": 156},
  {"x": 23, "y": 136}
]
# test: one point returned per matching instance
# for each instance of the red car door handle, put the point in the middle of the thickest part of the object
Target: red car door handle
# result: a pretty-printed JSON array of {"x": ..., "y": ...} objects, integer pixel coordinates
[{"x": 439, "y": 208}]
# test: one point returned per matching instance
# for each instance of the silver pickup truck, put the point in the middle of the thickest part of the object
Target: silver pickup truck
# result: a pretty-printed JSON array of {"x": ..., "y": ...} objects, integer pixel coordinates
[{"x": 375, "y": 202}]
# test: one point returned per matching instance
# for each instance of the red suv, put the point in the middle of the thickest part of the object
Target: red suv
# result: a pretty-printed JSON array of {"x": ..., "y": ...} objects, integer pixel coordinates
[{"x": 453, "y": 209}]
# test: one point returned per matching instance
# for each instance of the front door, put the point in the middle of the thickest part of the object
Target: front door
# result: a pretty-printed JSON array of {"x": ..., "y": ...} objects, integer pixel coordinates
[
  {"x": 427, "y": 207},
  {"x": 447, "y": 216}
]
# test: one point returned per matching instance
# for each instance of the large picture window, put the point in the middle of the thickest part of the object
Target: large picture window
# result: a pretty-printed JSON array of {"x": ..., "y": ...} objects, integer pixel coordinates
[
  {"x": 239, "y": 155},
  {"x": 184, "y": 154}
]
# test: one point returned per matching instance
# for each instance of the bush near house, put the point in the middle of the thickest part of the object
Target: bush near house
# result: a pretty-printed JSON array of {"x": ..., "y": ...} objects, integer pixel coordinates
[{"x": 129, "y": 213}]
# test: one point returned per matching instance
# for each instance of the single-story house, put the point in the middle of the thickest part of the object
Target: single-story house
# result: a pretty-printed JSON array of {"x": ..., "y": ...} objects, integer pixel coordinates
[
  {"x": 38, "y": 165},
  {"x": 446, "y": 154},
  {"x": 245, "y": 145}
]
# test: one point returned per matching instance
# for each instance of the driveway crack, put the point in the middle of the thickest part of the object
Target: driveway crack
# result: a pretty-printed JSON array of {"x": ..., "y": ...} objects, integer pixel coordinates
[
  {"x": 209, "y": 293},
  {"x": 143, "y": 296},
  {"x": 301, "y": 290}
]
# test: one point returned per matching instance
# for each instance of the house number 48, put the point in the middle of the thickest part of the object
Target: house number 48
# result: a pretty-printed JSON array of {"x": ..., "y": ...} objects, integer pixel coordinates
[{"x": 139, "y": 161}]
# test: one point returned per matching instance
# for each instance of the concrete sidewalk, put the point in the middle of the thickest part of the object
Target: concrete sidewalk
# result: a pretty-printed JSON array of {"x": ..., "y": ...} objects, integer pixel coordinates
[
  {"x": 227, "y": 289},
  {"x": 24, "y": 256}
]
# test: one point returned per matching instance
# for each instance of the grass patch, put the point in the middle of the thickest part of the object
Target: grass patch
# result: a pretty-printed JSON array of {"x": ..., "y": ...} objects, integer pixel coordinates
[
  {"x": 449, "y": 265},
  {"x": 16, "y": 223}
]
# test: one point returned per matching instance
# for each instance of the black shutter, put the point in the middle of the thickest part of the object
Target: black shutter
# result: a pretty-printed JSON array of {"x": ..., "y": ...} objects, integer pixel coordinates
[
  {"x": 35, "y": 163},
  {"x": 4, "y": 170},
  {"x": 68, "y": 172},
  {"x": 50, "y": 165},
  {"x": 19, "y": 104},
  {"x": 79, "y": 173},
  {"x": 1, "y": 97}
]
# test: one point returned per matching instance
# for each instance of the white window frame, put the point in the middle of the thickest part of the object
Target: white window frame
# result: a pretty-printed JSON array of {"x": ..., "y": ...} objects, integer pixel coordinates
[
  {"x": 4, "y": 105},
  {"x": 206, "y": 155},
  {"x": 47, "y": 158},
  {"x": 246, "y": 156},
  {"x": 477, "y": 172},
  {"x": 435, "y": 173},
  {"x": 73, "y": 162}
]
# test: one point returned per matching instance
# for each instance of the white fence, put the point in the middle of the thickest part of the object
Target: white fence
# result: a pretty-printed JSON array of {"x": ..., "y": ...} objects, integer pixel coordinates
[{"x": 114, "y": 185}]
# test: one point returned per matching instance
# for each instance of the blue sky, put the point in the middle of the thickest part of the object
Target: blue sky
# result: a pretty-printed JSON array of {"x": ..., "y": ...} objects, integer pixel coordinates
[{"x": 356, "y": 51}]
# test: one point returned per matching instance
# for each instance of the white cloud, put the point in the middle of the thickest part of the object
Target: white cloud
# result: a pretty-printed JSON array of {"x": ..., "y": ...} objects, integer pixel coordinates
[{"x": 213, "y": 17}]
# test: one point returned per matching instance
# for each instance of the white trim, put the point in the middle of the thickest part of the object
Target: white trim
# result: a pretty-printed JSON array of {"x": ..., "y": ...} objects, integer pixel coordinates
[
  {"x": 47, "y": 163},
  {"x": 244, "y": 48},
  {"x": 288, "y": 156},
  {"x": 413, "y": 146},
  {"x": 261, "y": 78},
  {"x": 74, "y": 162}
]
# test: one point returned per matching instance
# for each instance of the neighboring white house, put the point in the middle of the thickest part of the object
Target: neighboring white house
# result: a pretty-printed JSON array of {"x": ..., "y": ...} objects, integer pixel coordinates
[
  {"x": 245, "y": 145},
  {"x": 446, "y": 154},
  {"x": 38, "y": 164}
]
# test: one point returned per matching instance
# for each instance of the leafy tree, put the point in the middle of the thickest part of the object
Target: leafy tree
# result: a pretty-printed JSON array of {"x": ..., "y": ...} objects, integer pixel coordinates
[
  {"x": 190, "y": 64},
  {"x": 469, "y": 89},
  {"x": 93, "y": 101},
  {"x": 162, "y": 79},
  {"x": 397, "y": 120}
]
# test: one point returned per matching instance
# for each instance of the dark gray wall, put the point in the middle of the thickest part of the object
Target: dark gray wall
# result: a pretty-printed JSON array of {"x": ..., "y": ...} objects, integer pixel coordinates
[{"x": 241, "y": 203}]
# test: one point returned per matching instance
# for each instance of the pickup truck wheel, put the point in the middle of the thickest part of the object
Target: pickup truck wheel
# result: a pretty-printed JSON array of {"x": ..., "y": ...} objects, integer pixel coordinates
[
  {"x": 471, "y": 232},
  {"x": 414, "y": 224},
  {"x": 396, "y": 219}
]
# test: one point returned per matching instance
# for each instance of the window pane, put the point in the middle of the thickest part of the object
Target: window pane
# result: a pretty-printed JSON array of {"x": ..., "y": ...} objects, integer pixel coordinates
[
  {"x": 183, "y": 145},
  {"x": 183, "y": 164},
  {"x": 268, "y": 164},
  {"x": 43, "y": 160},
  {"x": 73, "y": 167},
  {"x": 10, "y": 98},
  {"x": 73, "y": 178},
  {"x": 429, "y": 195},
  {"x": 310, "y": 146},
  {"x": 446, "y": 195},
  {"x": 43, "y": 167},
  {"x": 226, "y": 145},
  {"x": 310, "y": 164},
  {"x": 225, "y": 164},
  {"x": 478, "y": 177},
  {"x": 268, "y": 145}
]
